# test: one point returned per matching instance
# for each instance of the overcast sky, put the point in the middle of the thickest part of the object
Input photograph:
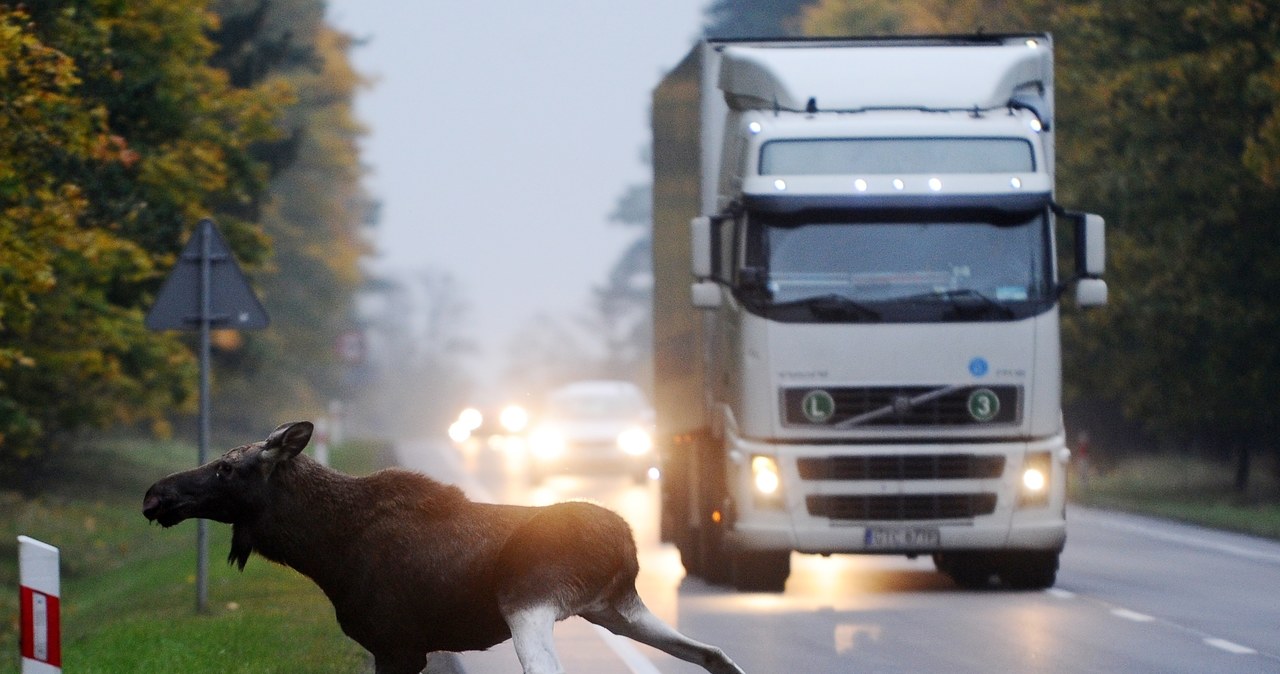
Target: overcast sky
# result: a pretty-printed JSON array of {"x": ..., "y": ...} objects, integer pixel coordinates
[{"x": 502, "y": 134}]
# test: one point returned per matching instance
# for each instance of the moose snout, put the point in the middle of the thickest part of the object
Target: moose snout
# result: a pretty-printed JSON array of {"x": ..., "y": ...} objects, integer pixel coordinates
[
  {"x": 161, "y": 505},
  {"x": 151, "y": 504}
]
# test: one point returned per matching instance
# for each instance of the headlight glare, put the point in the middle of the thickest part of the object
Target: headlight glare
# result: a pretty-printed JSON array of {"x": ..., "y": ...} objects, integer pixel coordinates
[
  {"x": 765, "y": 475},
  {"x": 1033, "y": 487},
  {"x": 635, "y": 441},
  {"x": 546, "y": 443}
]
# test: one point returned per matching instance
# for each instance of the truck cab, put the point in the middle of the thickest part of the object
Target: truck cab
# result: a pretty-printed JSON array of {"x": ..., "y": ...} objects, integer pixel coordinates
[{"x": 872, "y": 293}]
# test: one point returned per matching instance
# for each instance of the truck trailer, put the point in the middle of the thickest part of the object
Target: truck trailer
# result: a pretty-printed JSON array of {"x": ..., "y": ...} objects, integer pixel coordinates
[{"x": 856, "y": 305}]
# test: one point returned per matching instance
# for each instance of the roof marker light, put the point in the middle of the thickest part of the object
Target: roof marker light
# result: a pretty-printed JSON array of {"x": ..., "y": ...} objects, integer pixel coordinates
[
  {"x": 898, "y": 184},
  {"x": 780, "y": 184},
  {"x": 935, "y": 184},
  {"x": 755, "y": 127},
  {"x": 1036, "y": 125},
  {"x": 1033, "y": 43},
  {"x": 1015, "y": 183},
  {"x": 860, "y": 185}
]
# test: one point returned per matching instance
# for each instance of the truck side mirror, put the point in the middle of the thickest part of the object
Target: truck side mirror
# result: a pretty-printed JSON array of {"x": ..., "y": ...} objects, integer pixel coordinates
[
  {"x": 705, "y": 294},
  {"x": 1091, "y": 258},
  {"x": 1091, "y": 244},
  {"x": 1091, "y": 292},
  {"x": 700, "y": 247}
]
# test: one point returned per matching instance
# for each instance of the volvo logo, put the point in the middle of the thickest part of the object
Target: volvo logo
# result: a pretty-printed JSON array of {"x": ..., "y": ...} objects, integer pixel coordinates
[{"x": 818, "y": 406}]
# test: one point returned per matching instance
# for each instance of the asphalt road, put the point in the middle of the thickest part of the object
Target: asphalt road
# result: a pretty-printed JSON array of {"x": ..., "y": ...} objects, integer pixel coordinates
[{"x": 1133, "y": 595}]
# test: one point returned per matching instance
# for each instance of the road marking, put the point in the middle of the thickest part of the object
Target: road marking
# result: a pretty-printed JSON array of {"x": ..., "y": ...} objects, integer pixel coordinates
[
  {"x": 1058, "y": 593},
  {"x": 1188, "y": 540},
  {"x": 1131, "y": 615},
  {"x": 631, "y": 657},
  {"x": 1230, "y": 646}
]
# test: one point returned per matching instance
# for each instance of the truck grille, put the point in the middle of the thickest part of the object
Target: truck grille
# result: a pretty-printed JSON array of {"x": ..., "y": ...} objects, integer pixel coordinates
[
  {"x": 902, "y": 467},
  {"x": 901, "y": 406},
  {"x": 902, "y": 507}
]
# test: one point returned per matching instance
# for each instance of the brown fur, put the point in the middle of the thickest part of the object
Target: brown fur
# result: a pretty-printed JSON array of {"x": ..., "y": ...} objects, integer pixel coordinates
[{"x": 411, "y": 566}]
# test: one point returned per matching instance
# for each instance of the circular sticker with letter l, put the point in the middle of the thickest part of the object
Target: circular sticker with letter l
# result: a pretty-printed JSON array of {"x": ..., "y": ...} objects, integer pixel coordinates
[
  {"x": 818, "y": 406},
  {"x": 984, "y": 404}
]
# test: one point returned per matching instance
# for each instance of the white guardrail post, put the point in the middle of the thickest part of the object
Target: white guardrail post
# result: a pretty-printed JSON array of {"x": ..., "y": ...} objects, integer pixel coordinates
[{"x": 40, "y": 597}]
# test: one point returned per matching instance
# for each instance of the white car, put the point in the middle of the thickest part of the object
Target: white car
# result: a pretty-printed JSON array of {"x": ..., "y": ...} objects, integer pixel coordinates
[{"x": 593, "y": 427}]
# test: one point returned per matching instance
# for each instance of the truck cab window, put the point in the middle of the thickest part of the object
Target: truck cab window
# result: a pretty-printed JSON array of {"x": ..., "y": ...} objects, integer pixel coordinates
[{"x": 915, "y": 266}]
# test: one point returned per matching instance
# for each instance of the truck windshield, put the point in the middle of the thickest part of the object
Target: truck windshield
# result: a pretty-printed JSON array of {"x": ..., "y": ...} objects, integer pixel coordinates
[{"x": 898, "y": 266}]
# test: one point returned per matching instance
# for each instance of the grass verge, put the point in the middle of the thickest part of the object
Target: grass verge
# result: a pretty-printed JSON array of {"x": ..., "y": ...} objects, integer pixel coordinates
[
  {"x": 128, "y": 588},
  {"x": 1186, "y": 489}
]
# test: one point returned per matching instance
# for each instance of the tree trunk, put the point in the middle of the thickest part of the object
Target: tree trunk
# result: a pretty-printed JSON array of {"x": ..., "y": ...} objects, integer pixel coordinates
[{"x": 1242, "y": 468}]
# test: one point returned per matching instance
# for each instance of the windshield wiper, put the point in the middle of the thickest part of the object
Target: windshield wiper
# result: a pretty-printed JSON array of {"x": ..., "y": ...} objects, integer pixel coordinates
[
  {"x": 833, "y": 307},
  {"x": 965, "y": 303}
]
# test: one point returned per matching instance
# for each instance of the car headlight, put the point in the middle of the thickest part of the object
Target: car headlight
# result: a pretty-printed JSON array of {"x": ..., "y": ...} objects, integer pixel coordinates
[
  {"x": 635, "y": 441},
  {"x": 546, "y": 443},
  {"x": 513, "y": 418},
  {"x": 459, "y": 432}
]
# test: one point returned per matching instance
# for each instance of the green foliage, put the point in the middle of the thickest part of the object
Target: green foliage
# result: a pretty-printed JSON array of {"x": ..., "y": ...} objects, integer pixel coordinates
[
  {"x": 313, "y": 214},
  {"x": 122, "y": 125},
  {"x": 753, "y": 19},
  {"x": 126, "y": 582}
]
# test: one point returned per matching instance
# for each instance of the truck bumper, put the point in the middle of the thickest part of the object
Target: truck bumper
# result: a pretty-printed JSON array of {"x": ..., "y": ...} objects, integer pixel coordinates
[{"x": 900, "y": 499}]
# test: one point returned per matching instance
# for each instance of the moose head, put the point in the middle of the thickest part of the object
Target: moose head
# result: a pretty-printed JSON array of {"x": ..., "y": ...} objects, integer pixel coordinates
[{"x": 233, "y": 488}]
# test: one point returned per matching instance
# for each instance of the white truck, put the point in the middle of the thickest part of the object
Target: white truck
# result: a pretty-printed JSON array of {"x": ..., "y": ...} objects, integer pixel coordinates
[{"x": 856, "y": 300}]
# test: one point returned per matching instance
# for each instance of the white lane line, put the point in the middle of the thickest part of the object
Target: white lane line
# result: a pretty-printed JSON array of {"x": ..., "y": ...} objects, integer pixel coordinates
[
  {"x": 631, "y": 657},
  {"x": 1131, "y": 615},
  {"x": 1058, "y": 593},
  {"x": 1188, "y": 540},
  {"x": 1230, "y": 646}
]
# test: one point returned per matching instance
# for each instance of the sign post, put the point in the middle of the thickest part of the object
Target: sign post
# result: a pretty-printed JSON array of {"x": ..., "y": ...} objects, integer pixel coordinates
[
  {"x": 206, "y": 290},
  {"x": 40, "y": 596}
]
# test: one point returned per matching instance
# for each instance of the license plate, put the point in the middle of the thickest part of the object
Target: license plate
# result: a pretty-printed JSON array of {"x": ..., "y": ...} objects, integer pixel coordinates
[{"x": 901, "y": 537}]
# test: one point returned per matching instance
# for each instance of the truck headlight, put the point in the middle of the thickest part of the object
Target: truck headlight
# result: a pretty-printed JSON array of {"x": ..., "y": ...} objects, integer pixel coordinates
[
  {"x": 765, "y": 475},
  {"x": 635, "y": 441},
  {"x": 1034, "y": 488}
]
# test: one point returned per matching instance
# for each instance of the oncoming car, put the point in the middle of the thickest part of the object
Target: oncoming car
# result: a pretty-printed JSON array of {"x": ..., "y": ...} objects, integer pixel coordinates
[{"x": 593, "y": 427}]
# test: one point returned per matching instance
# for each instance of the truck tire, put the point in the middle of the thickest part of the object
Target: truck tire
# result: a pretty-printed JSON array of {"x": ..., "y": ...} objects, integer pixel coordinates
[
  {"x": 1028, "y": 569},
  {"x": 969, "y": 570},
  {"x": 753, "y": 571},
  {"x": 714, "y": 559}
]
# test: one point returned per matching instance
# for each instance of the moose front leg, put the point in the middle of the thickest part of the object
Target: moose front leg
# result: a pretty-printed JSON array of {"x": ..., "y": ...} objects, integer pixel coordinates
[{"x": 531, "y": 632}]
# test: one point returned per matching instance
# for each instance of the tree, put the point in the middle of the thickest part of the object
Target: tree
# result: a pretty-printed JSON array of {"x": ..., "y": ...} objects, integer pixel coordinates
[
  {"x": 313, "y": 210},
  {"x": 119, "y": 138},
  {"x": 1188, "y": 346},
  {"x": 754, "y": 18}
]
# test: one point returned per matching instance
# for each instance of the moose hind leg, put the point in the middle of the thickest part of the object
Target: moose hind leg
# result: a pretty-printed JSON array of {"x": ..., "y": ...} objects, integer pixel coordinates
[
  {"x": 531, "y": 632},
  {"x": 630, "y": 618}
]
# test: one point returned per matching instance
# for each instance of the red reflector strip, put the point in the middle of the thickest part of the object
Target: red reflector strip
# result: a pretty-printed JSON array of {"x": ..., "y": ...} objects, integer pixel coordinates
[{"x": 41, "y": 631}]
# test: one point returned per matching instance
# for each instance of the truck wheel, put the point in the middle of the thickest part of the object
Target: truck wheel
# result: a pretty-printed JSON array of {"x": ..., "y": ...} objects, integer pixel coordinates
[
  {"x": 1029, "y": 569},
  {"x": 970, "y": 570},
  {"x": 766, "y": 571},
  {"x": 714, "y": 558},
  {"x": 690, "y": 555}
]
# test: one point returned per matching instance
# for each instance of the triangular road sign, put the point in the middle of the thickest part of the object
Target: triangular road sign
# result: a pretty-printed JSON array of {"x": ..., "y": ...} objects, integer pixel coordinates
[{"x": 233, "y": 305}]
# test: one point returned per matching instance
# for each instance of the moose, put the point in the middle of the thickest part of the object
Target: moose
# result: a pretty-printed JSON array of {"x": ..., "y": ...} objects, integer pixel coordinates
[{"x": 412, "y": 566}]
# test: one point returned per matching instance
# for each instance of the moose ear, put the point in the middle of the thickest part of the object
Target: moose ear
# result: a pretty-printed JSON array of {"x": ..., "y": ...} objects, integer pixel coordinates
[{"x": 287, "y": 440}]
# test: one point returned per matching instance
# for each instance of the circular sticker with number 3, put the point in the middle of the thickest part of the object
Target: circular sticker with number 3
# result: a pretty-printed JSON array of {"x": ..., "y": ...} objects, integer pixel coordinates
[{"x": 984, "y": 404}]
